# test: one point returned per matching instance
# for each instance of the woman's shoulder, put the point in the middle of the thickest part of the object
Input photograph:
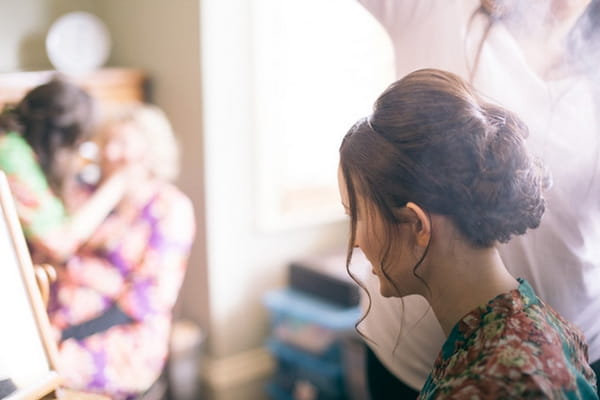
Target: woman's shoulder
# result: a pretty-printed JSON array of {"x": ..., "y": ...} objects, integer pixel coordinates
[
  {"x": 516, "y": 369},
  {"x": 13, "y": 140},
  {"x": 15, "y": 149},
  {"x": 18, "y": 160},
  {"x": 538, "y": 354},
  {"x": 173, "y": 202},
  {"x": 517, "y": 384},
  {"x": 175, "y": 212},
  {"x": 523, "y": 352},
  {"x": 167, "y": 191}
]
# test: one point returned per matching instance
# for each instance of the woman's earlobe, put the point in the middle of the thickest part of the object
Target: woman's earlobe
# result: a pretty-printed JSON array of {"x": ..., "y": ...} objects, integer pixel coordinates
[{"x": 422, "y": 225}]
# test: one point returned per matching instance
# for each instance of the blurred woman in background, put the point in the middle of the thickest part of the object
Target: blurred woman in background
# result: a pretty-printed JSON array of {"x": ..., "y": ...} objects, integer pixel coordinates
[{"x": 114, "y": 299}]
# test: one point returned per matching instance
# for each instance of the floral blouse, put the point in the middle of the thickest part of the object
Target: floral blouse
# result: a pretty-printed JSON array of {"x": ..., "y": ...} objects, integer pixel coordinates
[
  {"x": 515, "y": 347},
  {"x": 136, "y": 261}
]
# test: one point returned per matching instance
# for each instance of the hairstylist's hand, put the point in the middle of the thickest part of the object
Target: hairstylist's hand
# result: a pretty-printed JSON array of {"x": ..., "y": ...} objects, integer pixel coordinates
[
  {"x": 132, "y": 183},
  {"x": 50, "y": 248}
]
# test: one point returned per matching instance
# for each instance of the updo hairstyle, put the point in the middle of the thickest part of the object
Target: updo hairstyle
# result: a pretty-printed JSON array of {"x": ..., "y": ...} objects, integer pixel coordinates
[{"x": 433, "y": 141}]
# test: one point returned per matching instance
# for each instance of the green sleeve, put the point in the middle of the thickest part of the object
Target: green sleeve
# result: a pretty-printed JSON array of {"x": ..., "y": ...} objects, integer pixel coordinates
[{"x": 40, "y": 211}]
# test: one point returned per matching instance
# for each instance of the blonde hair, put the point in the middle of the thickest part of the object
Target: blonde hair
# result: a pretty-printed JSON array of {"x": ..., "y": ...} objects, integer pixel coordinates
[{"x": 155, "y": 128}]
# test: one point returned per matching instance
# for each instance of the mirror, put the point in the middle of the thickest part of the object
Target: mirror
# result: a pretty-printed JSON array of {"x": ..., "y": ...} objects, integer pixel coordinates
[{"x": 27, "y": 350}]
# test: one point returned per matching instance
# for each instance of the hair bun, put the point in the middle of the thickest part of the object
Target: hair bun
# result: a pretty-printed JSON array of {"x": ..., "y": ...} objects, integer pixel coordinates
[
  {"x": 434, "y": 141},
  {"x": 507, "y": 190}
]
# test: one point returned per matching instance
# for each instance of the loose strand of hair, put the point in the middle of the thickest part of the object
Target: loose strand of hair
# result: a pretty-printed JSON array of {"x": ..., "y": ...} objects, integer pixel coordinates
[
  {"x": 352, "y": 238},
  {"x": 369, "y": 303},
  {"x": 387, "y": 277}
]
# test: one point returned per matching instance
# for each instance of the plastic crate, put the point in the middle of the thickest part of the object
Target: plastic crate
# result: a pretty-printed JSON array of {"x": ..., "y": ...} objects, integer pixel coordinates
[
  {"x": 303, "y": 376},
  {"x": 309, "y": 323},
  {"x": 303, "y": 392},
  {"x": 275, "y": 392},
  {"x": 307, "y": 341}
]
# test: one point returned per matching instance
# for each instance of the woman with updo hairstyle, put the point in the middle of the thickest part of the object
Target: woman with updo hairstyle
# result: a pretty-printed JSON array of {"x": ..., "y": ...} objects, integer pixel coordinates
[
  {"x": 433, "y": 181},
  {"x": 539, "y": 59},
  {"x": 38, "y": 140}
]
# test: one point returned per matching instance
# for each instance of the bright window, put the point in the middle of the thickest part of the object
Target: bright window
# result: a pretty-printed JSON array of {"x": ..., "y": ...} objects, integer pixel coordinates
[{"x": 318, "y": 67}]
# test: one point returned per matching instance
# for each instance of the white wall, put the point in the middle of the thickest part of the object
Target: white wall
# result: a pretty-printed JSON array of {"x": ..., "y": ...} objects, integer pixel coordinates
[{"x": 243, "y": 262}]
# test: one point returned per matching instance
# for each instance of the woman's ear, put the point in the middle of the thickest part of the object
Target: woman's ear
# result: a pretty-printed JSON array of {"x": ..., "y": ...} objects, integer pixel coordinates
[{"x": 422, "y": 228}]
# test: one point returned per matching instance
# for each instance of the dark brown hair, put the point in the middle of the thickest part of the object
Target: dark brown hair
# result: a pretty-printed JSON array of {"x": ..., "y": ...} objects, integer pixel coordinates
[
  {"x": 432, "y": 140},
  {"x": 52, "y": 117}
]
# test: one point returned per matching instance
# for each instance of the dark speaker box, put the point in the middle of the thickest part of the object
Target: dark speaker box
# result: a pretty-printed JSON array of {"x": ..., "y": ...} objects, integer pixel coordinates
[{"x": 325, "y": 277}]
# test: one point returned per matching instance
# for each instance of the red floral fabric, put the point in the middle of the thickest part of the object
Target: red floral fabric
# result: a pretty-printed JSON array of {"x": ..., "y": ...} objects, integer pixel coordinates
[{"x": 514, "y": 347}]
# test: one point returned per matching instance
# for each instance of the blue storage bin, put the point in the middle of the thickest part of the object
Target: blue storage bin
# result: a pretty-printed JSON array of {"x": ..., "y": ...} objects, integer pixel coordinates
[
  {"x": 309, "y": 323},
  {"x": 296, "y": 368},
  {"x": 306, "y": 341},
  {"x": 312, "y": 309},
  {"x": 276, "y": 392}
]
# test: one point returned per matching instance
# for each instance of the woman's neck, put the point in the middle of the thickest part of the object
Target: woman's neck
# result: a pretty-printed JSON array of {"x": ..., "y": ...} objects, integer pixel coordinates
[{"x": 465, "y": 280}]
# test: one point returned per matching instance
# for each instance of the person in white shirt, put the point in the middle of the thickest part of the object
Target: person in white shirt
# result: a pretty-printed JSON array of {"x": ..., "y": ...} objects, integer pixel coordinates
[{"x": 518, "y": 57}]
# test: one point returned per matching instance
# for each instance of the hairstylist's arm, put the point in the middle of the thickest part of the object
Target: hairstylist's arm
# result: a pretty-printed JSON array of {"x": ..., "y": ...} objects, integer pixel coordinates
[
  {"x": 59, "y": 244},
  {"x": 393, "y": 14},
  {"x": 51, "y": 232}
]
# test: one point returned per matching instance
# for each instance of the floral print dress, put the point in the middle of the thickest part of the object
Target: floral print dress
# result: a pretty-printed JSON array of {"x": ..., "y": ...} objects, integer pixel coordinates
[
  {"x": 136, "y": 261},
  {"x": 514, "y": 347}
]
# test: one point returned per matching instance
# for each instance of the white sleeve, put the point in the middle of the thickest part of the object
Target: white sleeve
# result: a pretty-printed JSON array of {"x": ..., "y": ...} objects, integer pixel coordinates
[{"x": 393, "y": 14}]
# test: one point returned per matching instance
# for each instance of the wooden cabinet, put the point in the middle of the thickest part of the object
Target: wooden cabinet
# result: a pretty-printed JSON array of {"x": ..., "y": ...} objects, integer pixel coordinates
[{"x": 111, "y": 86}]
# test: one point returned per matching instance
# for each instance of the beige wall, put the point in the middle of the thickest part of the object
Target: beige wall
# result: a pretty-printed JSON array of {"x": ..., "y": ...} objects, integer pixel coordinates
[
  {"x": 163, "y": 38},
  {"x": 23, "y": 27}
]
